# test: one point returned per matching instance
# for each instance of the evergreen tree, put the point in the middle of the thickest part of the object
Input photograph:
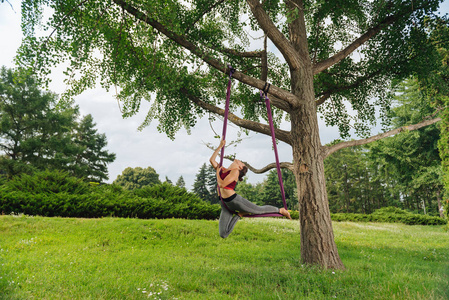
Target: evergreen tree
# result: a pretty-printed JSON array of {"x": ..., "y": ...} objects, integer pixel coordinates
[
  {"x": 91, "y": 158},
  {"x": 211, "y": 182},
  {"x": 167, "y": 180},
  {"x": 436, "y": 88},
  {"x": 411, "y": 159},
  {"x": 201, "y": 185},
  {"x": 349, "y": 182},
  {"x": 32, "y": 129},
  {"x": 403, "y": 170},
  {"x": 37, "y": 132},
  {"x": 181, "y": 183},
  {"x": 272, "y": 195}
]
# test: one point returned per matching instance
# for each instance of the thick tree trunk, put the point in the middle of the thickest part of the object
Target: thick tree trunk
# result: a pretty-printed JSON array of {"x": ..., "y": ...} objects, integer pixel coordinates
[{"x": 317, "y": 238}]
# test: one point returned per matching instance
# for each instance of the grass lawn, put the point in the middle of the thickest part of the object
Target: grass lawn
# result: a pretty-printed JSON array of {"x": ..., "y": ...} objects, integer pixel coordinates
[{"x": 111, "y": 258}]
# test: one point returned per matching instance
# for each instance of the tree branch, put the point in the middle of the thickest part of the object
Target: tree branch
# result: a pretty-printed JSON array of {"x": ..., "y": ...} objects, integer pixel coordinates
[
  {"x": 323, "y": 98},
  {"x": 328, "y": 150},
  {"x": 243, "y": 54},
  {"x": 359, "y": 81},
  {"x": 281, "y": 135},
  {"x": 12, "y": 7},
  {"x": 205, "y": 11},
  {"x": 283, "y": 165},
  {"x": 282, "y": 43},
  {"x": 282, "y": 94},
  {"x": 264, "y": 61},
  {"x": 323, "y": 65}
]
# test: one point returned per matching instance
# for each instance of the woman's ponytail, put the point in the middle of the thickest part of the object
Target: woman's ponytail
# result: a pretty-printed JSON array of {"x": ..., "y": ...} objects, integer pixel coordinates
[{"x": 242, "y": 173}]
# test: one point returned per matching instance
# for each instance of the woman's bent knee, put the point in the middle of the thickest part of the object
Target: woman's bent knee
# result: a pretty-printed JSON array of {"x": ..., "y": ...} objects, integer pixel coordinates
[{"x": 224, "y": 234}]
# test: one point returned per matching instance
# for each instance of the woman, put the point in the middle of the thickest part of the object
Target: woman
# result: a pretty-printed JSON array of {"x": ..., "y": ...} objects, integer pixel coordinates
[{"x": 227, "y": 180}]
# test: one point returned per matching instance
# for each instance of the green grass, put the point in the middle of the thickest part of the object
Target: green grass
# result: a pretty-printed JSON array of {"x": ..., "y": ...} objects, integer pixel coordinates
[{"x": 111, "y": 258}]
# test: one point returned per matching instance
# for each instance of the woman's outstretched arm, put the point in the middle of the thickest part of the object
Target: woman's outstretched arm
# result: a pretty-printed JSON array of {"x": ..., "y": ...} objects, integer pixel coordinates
[{"x": 213, "y": 158}]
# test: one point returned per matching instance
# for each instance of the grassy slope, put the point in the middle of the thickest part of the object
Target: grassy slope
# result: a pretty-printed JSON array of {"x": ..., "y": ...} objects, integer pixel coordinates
[{"x": 55, "y": 258}]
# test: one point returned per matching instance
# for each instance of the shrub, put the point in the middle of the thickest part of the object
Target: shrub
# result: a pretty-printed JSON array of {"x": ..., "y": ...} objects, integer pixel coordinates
[
  {"x": 351, "y": 217},
  {"x": 47, "y": 182},
  {"x": 294, "y": 214},
  {"x": 180, "y": 202},
  {"x": 390, "y": 210},
  {"x": 391, "y": 215},
  {"x": 57, "y": 194}
]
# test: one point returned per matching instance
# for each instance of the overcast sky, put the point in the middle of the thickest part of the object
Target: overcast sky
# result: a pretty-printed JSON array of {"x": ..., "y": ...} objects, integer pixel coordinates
[{"x": 181, "y": 157}]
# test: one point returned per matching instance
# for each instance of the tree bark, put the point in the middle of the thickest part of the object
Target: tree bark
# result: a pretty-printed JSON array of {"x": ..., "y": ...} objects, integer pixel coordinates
[{"x": 317, "y": 237}]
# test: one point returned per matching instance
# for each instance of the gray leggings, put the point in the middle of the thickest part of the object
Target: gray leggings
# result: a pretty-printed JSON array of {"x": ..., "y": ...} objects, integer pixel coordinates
[{"x": 240, "y": 204}]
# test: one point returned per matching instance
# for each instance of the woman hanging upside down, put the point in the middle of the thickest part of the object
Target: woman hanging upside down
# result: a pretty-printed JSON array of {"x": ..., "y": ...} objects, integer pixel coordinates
[{"x": 227, "y": 180}]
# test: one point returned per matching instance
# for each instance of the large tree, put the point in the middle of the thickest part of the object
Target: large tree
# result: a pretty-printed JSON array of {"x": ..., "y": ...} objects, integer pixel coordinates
[
  {"x": 205, "y": 184},
  {"x": 317, "y": 55},
  {"x": 38, "y": 132},
  {"x": 91, "y": 157},
  {"x": 33, "y": 130}
]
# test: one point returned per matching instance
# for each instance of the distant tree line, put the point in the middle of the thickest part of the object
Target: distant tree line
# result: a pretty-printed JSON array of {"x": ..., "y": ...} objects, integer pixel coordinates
[{"x": 403, "y": 171}]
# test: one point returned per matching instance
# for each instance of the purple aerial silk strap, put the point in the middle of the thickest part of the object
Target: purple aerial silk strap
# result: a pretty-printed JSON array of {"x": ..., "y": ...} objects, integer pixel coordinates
[
  {"x": 278, "y": 166},
  {"x": 270, "y": 121},
  {"x": 225, "y": 121},
  {"x": 225, "y": 126}
]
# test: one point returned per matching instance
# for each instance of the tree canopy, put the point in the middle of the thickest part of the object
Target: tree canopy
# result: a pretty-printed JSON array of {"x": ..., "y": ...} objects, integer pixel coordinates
[
  {"x": 137, "y": 178},
  {"x": 205, "y": 184},
  {"x": 167, "y": 51}
]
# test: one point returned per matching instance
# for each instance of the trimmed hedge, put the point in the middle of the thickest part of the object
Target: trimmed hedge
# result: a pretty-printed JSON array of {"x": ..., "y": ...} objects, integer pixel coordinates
[
  {"x": 385, "y": 215},
  {"x": 54, "y": 193},
  {"x": 179, "y": 202},
  {"x": 390, "y": 215}
]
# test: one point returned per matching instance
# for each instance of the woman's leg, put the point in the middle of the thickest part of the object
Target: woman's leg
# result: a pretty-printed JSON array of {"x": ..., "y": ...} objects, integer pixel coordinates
[
  {"x": 227, "y": 222},
  {"x": 243, "y": 205}
]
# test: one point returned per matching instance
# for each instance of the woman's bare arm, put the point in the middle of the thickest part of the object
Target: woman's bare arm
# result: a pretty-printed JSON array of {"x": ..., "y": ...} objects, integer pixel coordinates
[{"x": 213, "y": 158}]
